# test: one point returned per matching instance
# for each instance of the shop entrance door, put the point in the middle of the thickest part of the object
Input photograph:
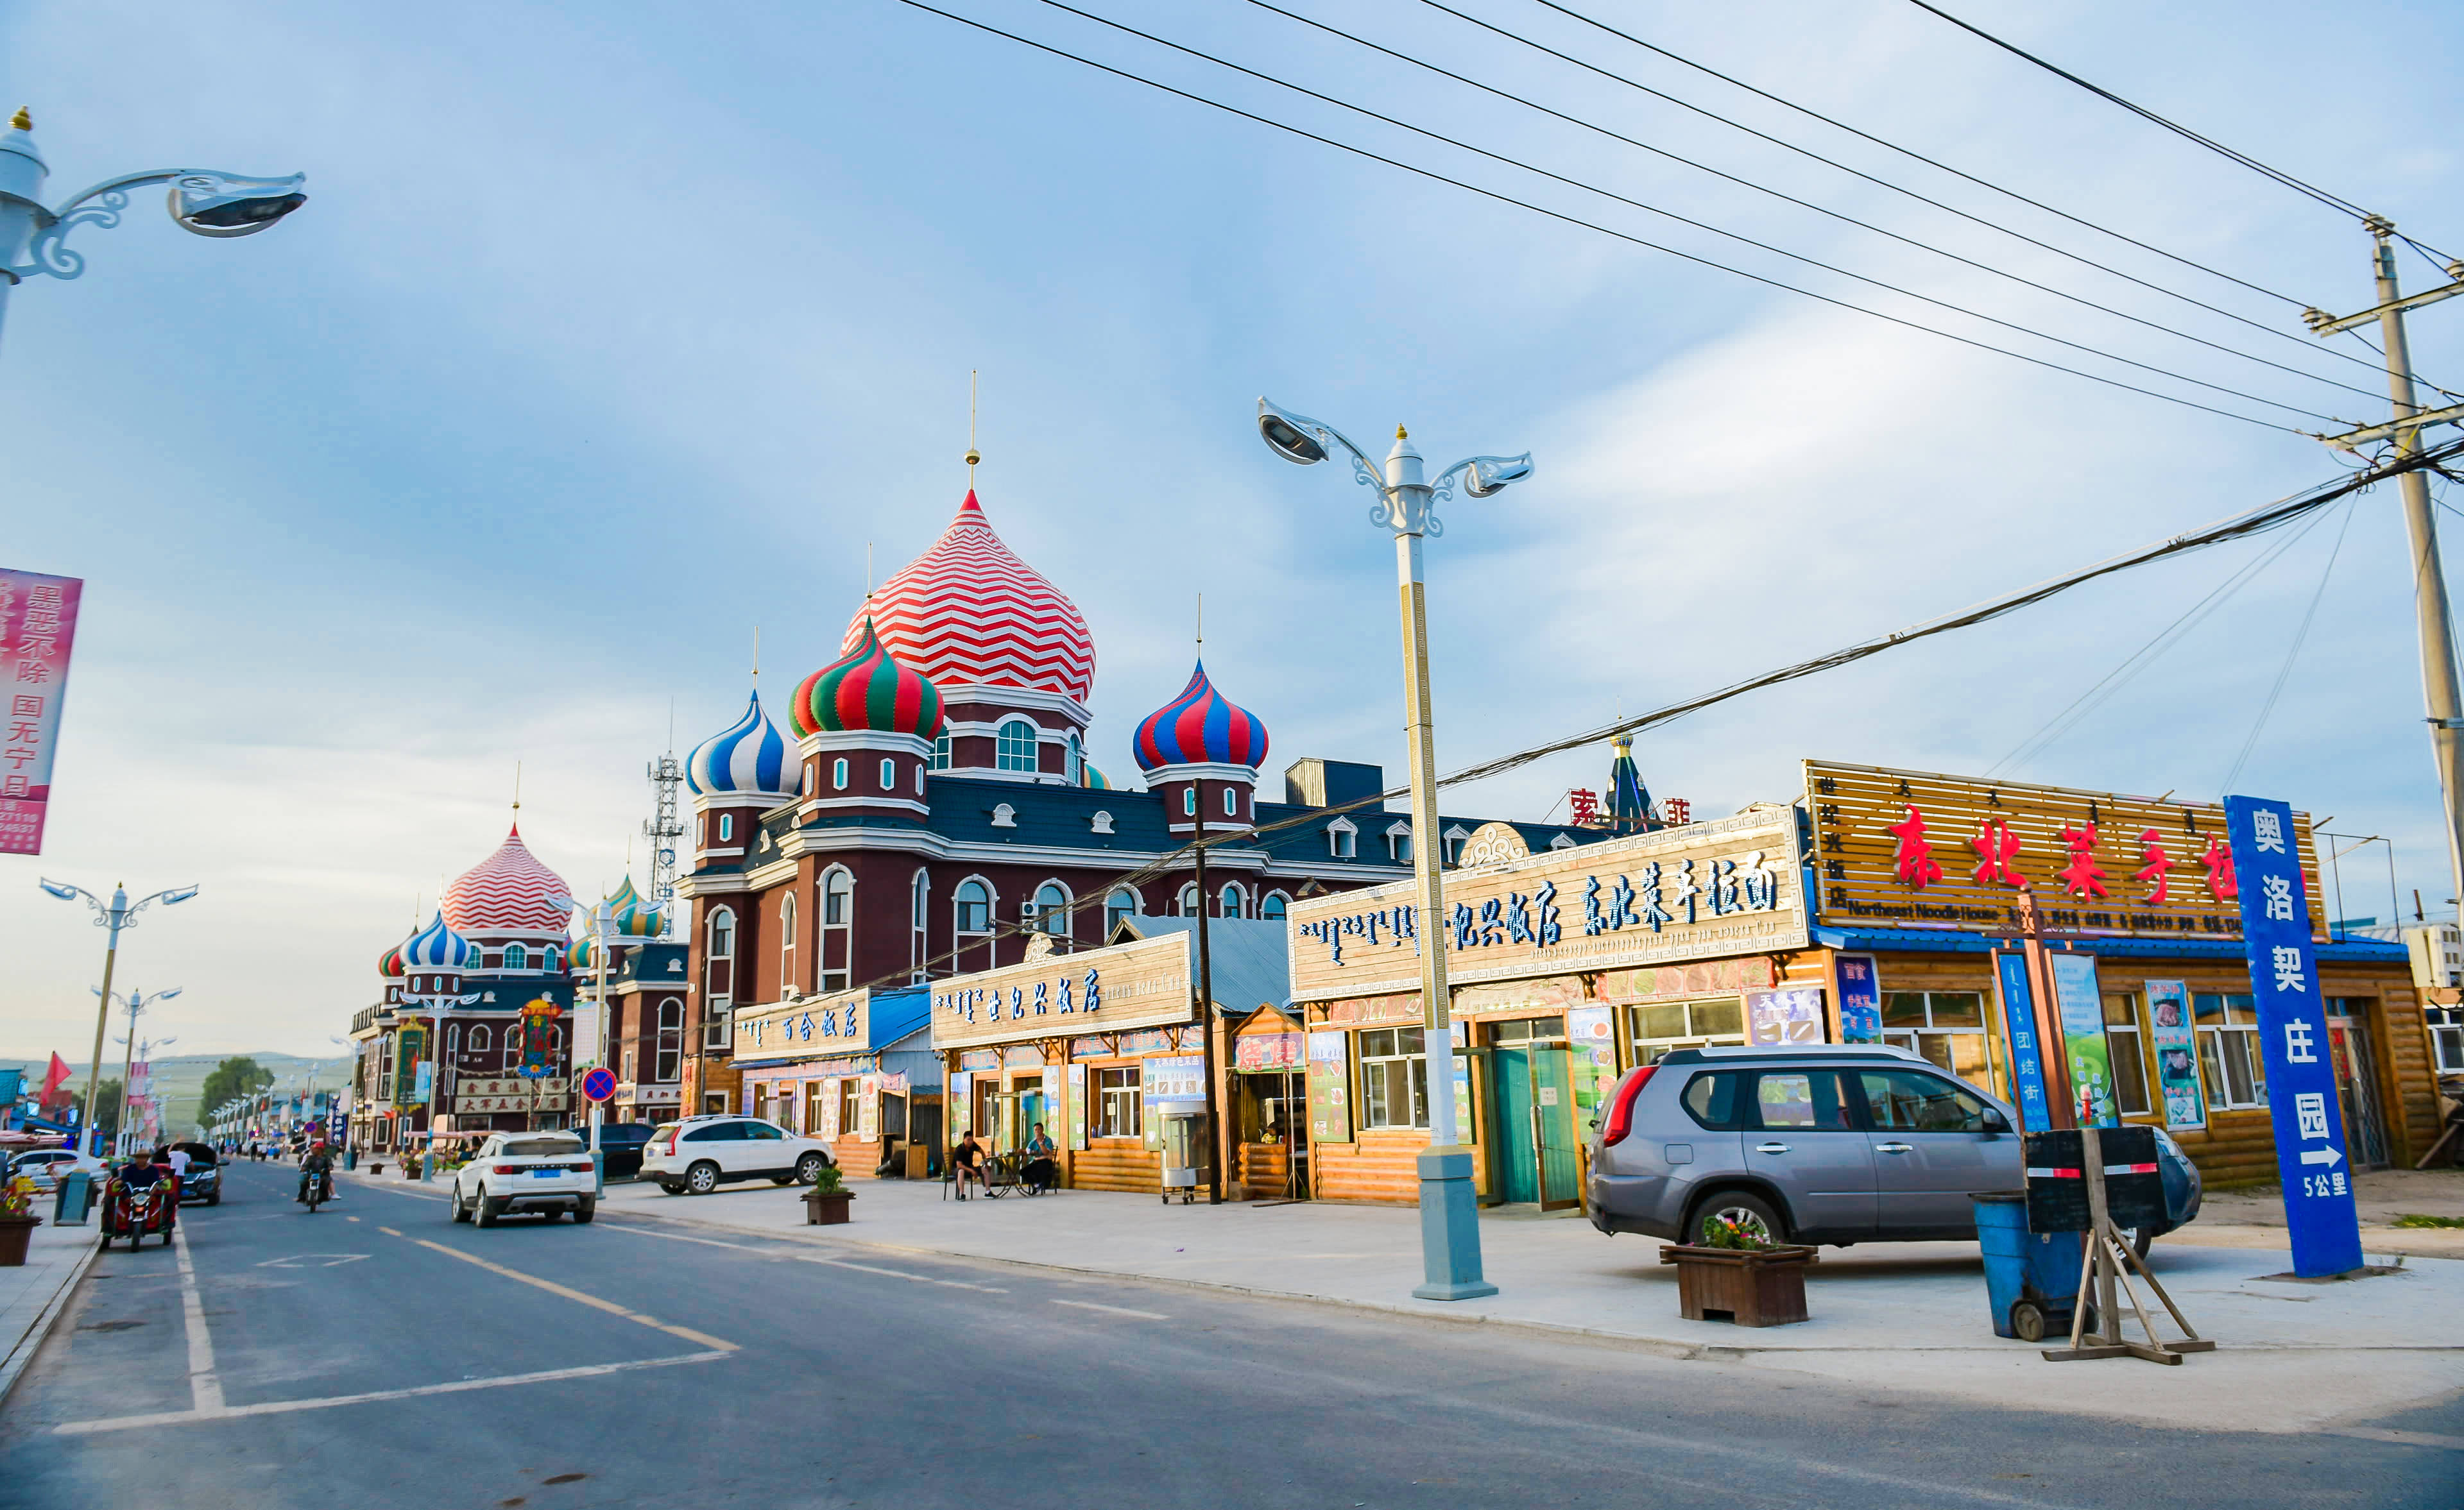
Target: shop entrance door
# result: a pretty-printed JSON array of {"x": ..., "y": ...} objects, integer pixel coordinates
[
  {"x": 2357, "y": 1083},
  {"x": 1511, "y": 1133},
  {"x": 1553, "y": 1124}
]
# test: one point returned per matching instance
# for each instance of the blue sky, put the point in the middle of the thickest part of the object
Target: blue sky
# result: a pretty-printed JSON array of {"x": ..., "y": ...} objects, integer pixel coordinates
[{"x": 611, "y": 331}]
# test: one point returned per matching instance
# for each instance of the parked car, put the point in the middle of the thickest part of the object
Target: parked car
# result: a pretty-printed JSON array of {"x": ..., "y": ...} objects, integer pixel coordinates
[
  {"x": 204, "y": 1181},
  {"x": 700, "y": 1153},
  {"x": 620, "y": 1144},
  {"x": 546, "y": 1172},
  {"x": 1816, "y": 1143},
  {"x": 45, "y": 1166}
]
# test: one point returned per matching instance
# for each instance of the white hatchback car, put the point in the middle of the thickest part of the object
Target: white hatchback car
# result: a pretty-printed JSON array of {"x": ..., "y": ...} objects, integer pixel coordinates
[
  {"x": 44, "y": 1165},
  {"x": 700, "y": 1153},
  {"x": 547, "y": 1172}
]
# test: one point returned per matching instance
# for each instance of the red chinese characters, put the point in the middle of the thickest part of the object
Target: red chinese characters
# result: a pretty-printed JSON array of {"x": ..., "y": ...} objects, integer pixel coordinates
[
  {"x": 1678, "y": 810},
  {"x": 2155, "y": 868},
  {"x": 1913, "y": 860},
  {"x": 1996, "y": 847},
  {"x": 1585, "y": 804},
  {"x": 2081, "y": 878},
  {"x": 2218, "y": 860}
]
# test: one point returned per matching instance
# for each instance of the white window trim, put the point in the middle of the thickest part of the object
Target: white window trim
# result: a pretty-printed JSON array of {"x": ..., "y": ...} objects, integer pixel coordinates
[
  {"x": 888, "y": 774},
  {"x": 1034, "y": 745},
  {"x": 1239, "y": 898},
  {"x": 1342, "y": 840},
  {"x": 992, "y": 911},
  {"x": 1399, "y": 842},
  {"x": 1453, "y": 840},
  {"x": 1279, "y": 894},
  {"x": 1004, "y": 816},
  {"x": 839, "y": 774},
  {"x": 1101, "y": 822},
  {"x": 1035, "y": 905}
]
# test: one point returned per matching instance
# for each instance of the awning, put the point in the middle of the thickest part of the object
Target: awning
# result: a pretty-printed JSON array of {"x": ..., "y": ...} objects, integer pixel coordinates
[{"x": 1958, "y": 941}]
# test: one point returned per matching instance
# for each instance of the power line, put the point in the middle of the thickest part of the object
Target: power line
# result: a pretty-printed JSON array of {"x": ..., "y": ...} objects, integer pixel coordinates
[
  {"x": 2285, "y": 673},
  {"x": 1587, "y": 225},
  {"x": 1786, "y": 198},
  {"x": 2336, "y": 202},
  {"x": 1698, "y": 225}
]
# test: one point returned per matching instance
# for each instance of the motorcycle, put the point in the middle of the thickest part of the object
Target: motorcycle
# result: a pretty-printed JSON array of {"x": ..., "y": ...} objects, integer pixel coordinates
[
  {"x": 134, "y": 1210},
  {"x": 321, "y": 1189}
]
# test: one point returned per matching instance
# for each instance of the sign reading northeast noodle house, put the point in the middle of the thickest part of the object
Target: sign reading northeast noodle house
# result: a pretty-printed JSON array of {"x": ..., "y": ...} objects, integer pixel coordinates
[
  {"x": 833, "y": 1024},
  {"x": 1701, "y": 890},
  {"x": 1139, "y": 985},
  {"x": 1908, "y": 849}
]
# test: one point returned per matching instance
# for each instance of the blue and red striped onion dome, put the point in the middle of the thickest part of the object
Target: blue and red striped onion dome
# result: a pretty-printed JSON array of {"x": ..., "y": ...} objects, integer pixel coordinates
[
  {"x": 751, "y": 756},
  {"x": 390, "y": 963},
  {"x": 866, "y": 689},
  {"x": 1200, "y": 726},
  {"x": 436, "y": 947}
]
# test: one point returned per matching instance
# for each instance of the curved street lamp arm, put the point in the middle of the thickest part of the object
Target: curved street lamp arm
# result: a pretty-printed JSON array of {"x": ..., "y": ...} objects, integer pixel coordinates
[
  {"x": 101, "y": 205},
  {"x": 1487, "y": 475}
]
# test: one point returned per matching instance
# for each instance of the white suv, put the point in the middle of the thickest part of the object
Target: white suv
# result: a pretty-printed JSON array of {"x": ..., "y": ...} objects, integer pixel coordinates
[
  {"x": 700, "y": 1153},
  {"x": 547, "y": 1172}
]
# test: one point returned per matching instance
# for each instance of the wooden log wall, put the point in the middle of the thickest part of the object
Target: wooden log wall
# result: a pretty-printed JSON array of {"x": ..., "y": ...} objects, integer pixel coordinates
[
  {"x": 1265, "y": 1169},
  {"x": 858, "y": 1157},
  {"x": 1380, "y": 1166},
  {"x": 1117, "y": 1164}
]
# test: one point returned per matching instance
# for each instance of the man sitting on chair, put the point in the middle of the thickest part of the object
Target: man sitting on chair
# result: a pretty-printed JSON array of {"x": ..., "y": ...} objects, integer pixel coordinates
[
  {"x": 1041, "y": 1171},
  {"x": 967, "y": 1163}
]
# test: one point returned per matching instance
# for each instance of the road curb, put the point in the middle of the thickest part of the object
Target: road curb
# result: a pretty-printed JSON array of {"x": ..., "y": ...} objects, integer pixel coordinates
[{"x": 13, "y": 1368}]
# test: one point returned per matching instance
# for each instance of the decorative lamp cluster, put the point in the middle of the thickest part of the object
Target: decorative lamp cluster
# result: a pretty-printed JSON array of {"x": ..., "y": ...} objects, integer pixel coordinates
[
  {"x": 866, "y": 689},
  {"x": 751, "y": 756},
  {"x": 436, "y": 947},
  {"x": 968, "y": 612},
  {"x": 1202, "y": 726}
]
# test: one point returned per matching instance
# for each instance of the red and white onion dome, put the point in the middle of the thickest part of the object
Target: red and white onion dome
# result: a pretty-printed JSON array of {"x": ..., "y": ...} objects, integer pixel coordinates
[
  {"x": 1202, "y": 726},
  {"x": 868, "y": 689},
  {"x": 509, "y": 892},
  {"x": 968, "y": 612}
]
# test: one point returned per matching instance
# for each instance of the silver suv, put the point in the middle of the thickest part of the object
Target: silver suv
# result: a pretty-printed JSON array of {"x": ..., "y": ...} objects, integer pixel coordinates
[{"x": 1838, "y": 1144}]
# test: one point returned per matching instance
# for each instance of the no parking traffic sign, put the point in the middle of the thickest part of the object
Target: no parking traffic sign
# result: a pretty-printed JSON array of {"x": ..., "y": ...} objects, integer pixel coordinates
[{"x": 599, "y": 1084}]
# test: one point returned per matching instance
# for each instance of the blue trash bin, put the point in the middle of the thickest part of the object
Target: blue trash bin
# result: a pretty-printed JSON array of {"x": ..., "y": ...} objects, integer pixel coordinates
[
  {"x": 73, "y": 1200},
  {"x": 2031, "y": 1278}
]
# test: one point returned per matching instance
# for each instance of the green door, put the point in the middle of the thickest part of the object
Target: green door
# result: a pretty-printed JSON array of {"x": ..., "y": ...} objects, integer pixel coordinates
[
  {"x": 1509, "y": 1087},
  {"x": 1552, "y": 1095}
]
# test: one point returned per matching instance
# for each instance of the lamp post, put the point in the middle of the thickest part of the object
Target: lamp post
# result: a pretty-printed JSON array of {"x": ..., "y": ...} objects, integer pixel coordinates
[
  {"x": 203, "y": 201},
  {"x": 135, "y": 1002},
  {"x": 1407, "y": 508},
  {"x": 116, "y": 914}
]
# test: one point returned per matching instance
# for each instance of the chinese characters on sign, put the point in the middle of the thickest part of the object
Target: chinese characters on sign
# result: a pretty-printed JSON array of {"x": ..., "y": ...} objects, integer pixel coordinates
[
  {"x": 2170, "y": 1034},
  {"x": 1860, "y": 1000},
  {"x": 2319, "y": 1208},
  {"x": 2019, "y": 1035},
  {"x": 38, "y": 626},
  {"x": 1894, "y": 847}
]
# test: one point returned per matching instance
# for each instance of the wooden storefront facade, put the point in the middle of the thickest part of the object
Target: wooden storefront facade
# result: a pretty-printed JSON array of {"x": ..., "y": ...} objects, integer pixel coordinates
[{"x": 854, "y": 1069}]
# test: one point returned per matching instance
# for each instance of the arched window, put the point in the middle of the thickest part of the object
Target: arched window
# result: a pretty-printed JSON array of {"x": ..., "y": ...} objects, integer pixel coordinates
[
  {"x": 548, "y": 959},
  {"x": 726, "y": 827},
  {"x": 478, "y": 1038},
  {"x": 1274, "y": 905},
  {"x": 1189, "y": 800},
  {"x": 838, "y": 935},
  {"x": 512, "y": 1046},
  {"x": 972, "y": 914},
  {"x": 786, "y": 942},
  {"x": 1074, "y": 765},
  {"x": 1014, "y": 746},
  {"x": 720, "y": 948},
  {"x": 920, "y": 894},
  {"x": 889, "y": 775},
  {"x": 941, "y": 751},
  {"x": 452, "y": 1042},
  {"x": 1049, "y": 911},
  {"x": 1189, "y": 900},
  {"x": 1122, "y": 903},
  {"x": 839, "y": 774},
  {"x": 516, "y": 957},
  {"x": 1234, "y": 901},
  {"x": 669, "y": 1063}
]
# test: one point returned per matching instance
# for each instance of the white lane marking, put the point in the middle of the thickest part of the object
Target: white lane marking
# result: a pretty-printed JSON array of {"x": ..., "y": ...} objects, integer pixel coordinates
[
  {"x": 314, "y": 1261},
  {"x": 677, "y": 1237},
  {"x": 571, "y": 1294},
  {"x": 204, "y": 1385},
  {"x": 1116, "y": 1310},
  {"x": 900, "y": 1274},
  {"x": 2375, "y": 1434},
  {"x": 222, "y": 1412}
]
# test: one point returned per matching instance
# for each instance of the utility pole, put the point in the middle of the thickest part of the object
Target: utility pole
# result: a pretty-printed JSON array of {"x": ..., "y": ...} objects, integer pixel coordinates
[{"x": 2442, "y": 687}]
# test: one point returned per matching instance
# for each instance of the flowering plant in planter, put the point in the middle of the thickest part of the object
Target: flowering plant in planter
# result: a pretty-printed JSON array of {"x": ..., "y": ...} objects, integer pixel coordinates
[
  {"x": 17, "y": 1197},
  {"x": 1732, "y": 1235}
]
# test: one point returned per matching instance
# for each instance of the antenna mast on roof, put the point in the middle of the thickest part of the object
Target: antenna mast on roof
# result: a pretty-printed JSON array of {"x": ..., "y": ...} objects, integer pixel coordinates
[{"x": 663, "y": 829}]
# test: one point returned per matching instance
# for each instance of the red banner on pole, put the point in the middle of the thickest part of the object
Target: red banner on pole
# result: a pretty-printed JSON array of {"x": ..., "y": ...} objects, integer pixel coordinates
[{"x": 37, "y": 626}]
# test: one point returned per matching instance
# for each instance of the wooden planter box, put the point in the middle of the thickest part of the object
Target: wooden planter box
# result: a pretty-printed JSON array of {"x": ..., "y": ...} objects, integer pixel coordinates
[
  {"x": 1752, "y": 1288},
  {"x": 827, "y": 1208},
  {"x": 15, "y": 1232}
]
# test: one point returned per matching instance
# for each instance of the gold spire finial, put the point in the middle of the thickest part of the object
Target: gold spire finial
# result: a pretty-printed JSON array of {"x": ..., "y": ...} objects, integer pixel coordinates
[
  {"x": 22, "y": 120},
  {"x": 973, "y": 455},
  {"x": 1402, "y": 434}
]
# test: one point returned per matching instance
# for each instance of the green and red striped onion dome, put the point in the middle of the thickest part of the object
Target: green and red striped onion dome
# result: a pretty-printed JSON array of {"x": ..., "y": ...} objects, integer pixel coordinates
[
  {"x": 866, "y": 689},
  {"x": 389, "y": 964}
]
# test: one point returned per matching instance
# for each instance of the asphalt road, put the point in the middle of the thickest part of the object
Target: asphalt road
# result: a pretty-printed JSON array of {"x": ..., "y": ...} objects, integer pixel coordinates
[{"x": 376, "y": 1355}]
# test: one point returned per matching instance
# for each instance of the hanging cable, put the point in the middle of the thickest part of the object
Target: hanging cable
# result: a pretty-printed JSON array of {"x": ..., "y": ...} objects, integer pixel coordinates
[
  {"x": 1760, "y": 188},
  {"x": 1593, "y": 226},
  {"x": 2285, "y": 673}
]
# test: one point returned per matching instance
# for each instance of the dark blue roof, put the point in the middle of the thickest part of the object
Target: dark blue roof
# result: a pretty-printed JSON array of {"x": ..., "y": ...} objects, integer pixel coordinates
[{"x": 1954, "y": 941}]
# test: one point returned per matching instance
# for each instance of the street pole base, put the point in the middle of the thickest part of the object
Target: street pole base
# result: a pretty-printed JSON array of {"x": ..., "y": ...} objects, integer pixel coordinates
[{"x": 1449, "y": 1229}]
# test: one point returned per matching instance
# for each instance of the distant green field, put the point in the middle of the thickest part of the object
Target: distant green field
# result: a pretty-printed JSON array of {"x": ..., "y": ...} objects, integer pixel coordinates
[{"x": 181, "y": 1081}]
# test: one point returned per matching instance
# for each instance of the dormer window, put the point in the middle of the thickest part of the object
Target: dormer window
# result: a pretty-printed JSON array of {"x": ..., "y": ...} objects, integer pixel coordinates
[
  {"x": 1454, "y": 846},
  {"x": 1004, "y": 816},
  {"x": 1342, "y": 839},
  {"x": 1101, "y": 822},
  {"x": 1398, "y": 844},
  {"x": 1562, "y": 841}
]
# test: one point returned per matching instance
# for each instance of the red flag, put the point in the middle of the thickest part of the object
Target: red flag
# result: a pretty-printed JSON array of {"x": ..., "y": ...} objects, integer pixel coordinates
[{"x": 52, "y": 1078}]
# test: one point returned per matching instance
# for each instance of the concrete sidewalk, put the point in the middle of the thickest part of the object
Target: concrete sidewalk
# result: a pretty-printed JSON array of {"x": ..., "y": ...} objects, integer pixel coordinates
[
  {"x": 2291, "y": 1356},
  {"x": 31, "y": 1297}
]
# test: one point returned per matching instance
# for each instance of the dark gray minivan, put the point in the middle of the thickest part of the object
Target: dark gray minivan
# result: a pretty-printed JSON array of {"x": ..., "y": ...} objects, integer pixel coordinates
[{"x": 1812, "y": 1143}]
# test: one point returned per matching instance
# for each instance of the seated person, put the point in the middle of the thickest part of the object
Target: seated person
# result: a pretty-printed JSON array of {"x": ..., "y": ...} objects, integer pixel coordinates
[
  {"x": 967, "y": 1163},
  {"x": 1041, "y": 1170}
]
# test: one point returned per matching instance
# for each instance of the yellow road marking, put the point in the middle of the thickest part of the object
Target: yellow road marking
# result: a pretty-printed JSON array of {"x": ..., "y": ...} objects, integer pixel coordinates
[
  {"x": 569, "y": 1293},
  {"x": 388, "y": 1232},
  {"x": 350, "y": 1218}
]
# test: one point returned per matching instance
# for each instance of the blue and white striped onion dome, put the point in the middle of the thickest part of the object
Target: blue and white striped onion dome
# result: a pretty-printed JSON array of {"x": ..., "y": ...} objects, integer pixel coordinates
[
  {"x": 751, "y": 756},
  {"x": 436, "y": 947}
]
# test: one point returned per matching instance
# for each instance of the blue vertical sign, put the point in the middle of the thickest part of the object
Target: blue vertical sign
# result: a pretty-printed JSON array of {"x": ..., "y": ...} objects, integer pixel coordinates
[
  {"x": 2293, "y": 1036},
  {"x": 2019, "y": 1032},
  {"x": 1860, "y": 1000}
]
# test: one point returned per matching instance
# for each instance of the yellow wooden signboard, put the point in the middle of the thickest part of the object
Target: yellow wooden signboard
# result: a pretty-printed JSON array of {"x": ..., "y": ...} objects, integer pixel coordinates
[
  {"x": 837, "y": 1023},
  {"x": 1915, "y": 849},
  {"x": 1136, "y": 985},
  {"x": 1696, "y": 891}
]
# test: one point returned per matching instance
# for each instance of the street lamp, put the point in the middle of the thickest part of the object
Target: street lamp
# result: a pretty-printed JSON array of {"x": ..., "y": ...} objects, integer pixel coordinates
[
  {"x": 202, "y": 201},
  {"x": 432, "y": 963},
  {"x": 1407, "y": 507},
  {"x": 116, "y": 914},
  {"x": 136, "y": 1002}
]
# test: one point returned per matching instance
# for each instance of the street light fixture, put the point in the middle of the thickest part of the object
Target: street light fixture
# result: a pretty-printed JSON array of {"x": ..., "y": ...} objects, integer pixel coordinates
[
  {"x": 1407, "y": 507},
  {"x": 116, "y": 914},
  {"x": 136, "y": 1002},
  {"x": 204, "y": 202}
]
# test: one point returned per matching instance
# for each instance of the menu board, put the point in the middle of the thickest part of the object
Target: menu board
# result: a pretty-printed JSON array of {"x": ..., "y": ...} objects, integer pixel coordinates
[
  {"x": 1078, "y": 1107},
  {"x": 1329, "y": 1086}
]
